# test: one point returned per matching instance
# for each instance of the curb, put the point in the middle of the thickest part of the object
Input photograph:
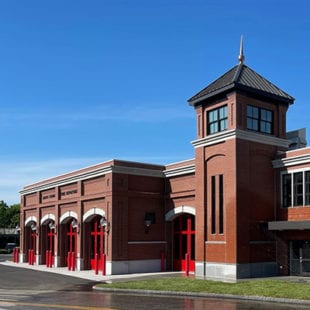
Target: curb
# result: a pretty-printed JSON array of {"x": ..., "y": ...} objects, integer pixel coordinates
[{"x": 204, "y": 295}]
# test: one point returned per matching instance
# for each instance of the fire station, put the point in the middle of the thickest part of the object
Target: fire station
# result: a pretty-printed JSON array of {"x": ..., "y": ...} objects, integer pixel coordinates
[{"x": 240, "y": 208}]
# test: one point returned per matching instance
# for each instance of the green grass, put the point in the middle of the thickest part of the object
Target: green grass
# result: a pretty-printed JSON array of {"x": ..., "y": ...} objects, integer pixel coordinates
[{"x": 266, "y": 288}]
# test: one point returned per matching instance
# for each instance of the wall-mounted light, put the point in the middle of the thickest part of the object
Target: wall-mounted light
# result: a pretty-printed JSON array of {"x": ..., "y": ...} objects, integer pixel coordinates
[
  {"x": 149, "y": 219},
  {"x": 34, "y": 228},
  {"x": 105, "y": 223},
  {"x": 76, "y": 225},
  {"x": 52, "y": 226}
]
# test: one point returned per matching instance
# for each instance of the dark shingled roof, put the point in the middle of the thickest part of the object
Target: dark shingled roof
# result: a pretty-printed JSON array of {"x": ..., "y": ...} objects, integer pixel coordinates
[{"x": 243, "y": 78}]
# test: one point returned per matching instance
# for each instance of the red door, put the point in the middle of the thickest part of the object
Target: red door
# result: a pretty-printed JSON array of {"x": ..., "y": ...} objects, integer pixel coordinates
[
  {"x": 97, "y": 248},
  {"x": 71, "y": 244},
  {"x": 50, "y": 258},
  {"x": 32, "y": 245},
  {"x": 184, "y": 242}
]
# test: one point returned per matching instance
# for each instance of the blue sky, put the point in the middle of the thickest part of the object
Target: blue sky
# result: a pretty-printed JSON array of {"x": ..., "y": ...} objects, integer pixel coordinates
[{"x": 82, "y": 81}]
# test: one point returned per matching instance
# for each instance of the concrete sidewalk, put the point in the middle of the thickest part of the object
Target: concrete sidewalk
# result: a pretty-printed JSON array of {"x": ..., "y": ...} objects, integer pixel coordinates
[{"x": 90, "y": 274}]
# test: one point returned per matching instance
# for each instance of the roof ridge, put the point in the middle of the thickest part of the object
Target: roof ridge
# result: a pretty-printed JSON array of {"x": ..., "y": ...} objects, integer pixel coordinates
[{"x": 238, "y": 72}]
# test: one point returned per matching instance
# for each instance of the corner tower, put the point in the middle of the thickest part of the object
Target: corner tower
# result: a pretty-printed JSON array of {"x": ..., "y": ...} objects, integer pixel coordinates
[{"x": 241, "y": 125}]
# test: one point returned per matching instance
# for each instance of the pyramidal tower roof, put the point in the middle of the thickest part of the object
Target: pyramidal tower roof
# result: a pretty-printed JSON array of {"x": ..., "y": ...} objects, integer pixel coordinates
[{"x": 243, "y": 78}]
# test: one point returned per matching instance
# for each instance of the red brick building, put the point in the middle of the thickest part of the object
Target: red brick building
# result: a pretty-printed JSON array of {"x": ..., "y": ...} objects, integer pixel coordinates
[{"x": 239, "y": 209}]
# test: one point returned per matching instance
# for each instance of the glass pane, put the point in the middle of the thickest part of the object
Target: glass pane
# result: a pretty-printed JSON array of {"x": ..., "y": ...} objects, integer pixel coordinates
[
  {"x": 295, "y": 254},
  {"x": 255, "y": 112},
  {"x": 268, "y": 128},
  {"x": 298, "y": 177},
  {"x": 223, "y": 112},
  {"x": 269, "y": 116},
  {"x": 306, "y": 266},
  {"x": 249, "y": 123},
  {"x": 249, "y": 111},
  {"x": 212, "y": 116},
  {"x": 262, "y": 126},
  {"x": 255, "y": 125},
  {"x": 223, "y": 125},
  {"x": 306, "y": 250},
  {"x": 295, "y": 267},
  {"x": 213, "y": 128}
]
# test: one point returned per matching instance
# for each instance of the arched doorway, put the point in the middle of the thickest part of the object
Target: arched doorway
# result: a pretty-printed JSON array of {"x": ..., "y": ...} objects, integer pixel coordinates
[
  {"x": 184, "y": 242},
  {"x": 182, "y": 238},
  {"x": 47, "y": 240},
  {"x": 48, "y": 233},
  {"x": 68, "y": 246},
  {"x": 96, "y": 226},
  {"x": 97, "y": 243},
  {"x": 31, "y": 242}
]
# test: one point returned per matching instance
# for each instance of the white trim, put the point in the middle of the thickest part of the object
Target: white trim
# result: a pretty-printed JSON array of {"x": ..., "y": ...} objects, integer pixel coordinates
[
  {"x": 172, "y": 214},
  {"x": 240, "y": 134},
  {"x": 93, "y": 174},
  {"x": 147, "y": 242},
  {"x": 291, "y": 161},
  {"x": 68, "y": 180},
  {"x": 68, "y": 214},
  {"x": 180, "y": 171},
  {"x": 30, "y": 219},
  {"x": 180, "y": 162},
  {"x": 138, "y": 171},
  {"x": 93, "y": 211},
  {"x": 47, "y": 217},
  {"x": 215, "y": 242},
  {"x": 291, "y": 172}
]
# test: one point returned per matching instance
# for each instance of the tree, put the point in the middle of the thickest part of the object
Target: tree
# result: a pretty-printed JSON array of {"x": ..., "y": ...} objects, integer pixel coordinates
[
  {"x": 13, "y": 215},
  {"x": 3, "y": 218},
  {"x": 9, "y": 216}
]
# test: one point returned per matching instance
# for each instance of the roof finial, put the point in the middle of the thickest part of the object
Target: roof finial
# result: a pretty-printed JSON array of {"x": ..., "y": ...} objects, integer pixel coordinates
[{"x": 241, "y": 56}]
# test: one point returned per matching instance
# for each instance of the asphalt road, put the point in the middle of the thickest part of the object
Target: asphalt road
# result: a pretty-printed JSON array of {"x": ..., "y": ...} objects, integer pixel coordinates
[{"x": 23, "y": 289}]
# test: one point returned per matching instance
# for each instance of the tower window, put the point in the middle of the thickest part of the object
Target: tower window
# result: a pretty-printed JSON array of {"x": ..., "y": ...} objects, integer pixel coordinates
[
  {"x": 217, "y": 120},
  {"x": 217, "y": 204},
  {"x": 259, "y": 119}
]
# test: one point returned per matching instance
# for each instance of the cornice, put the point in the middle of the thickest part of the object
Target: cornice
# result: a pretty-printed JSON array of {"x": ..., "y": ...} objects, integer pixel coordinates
[
  {"x": 93, "y": 174},
  {"x": 179, "y": 171},
  {"x": 240, "y": 134},
  {"x": 291, "y": 161}
]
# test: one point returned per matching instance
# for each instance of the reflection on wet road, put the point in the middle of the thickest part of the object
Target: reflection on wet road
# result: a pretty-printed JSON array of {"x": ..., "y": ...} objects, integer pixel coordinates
[
  {"x": 100, "y": 300},
  {"x": 25, "y": 289}
]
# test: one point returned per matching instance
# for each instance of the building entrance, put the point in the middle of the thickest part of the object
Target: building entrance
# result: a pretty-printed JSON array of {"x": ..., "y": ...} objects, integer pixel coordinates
[
  {"x": 184, "y": 243},
  {"x": 31, "y": 242},
  {"x": 97, "y": 244},
  {"x": 300, "y": 258},
  {"x": 70, "y": 246},
  {"x": 50, "y": 253}
]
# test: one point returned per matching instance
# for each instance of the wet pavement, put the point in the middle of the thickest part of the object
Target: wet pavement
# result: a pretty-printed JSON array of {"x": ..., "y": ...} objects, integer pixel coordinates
[{"x": 31, "y": 287}]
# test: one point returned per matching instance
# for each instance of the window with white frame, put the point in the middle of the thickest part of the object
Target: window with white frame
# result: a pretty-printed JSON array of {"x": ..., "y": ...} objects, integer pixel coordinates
[{"x": 296, "y": 189}]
